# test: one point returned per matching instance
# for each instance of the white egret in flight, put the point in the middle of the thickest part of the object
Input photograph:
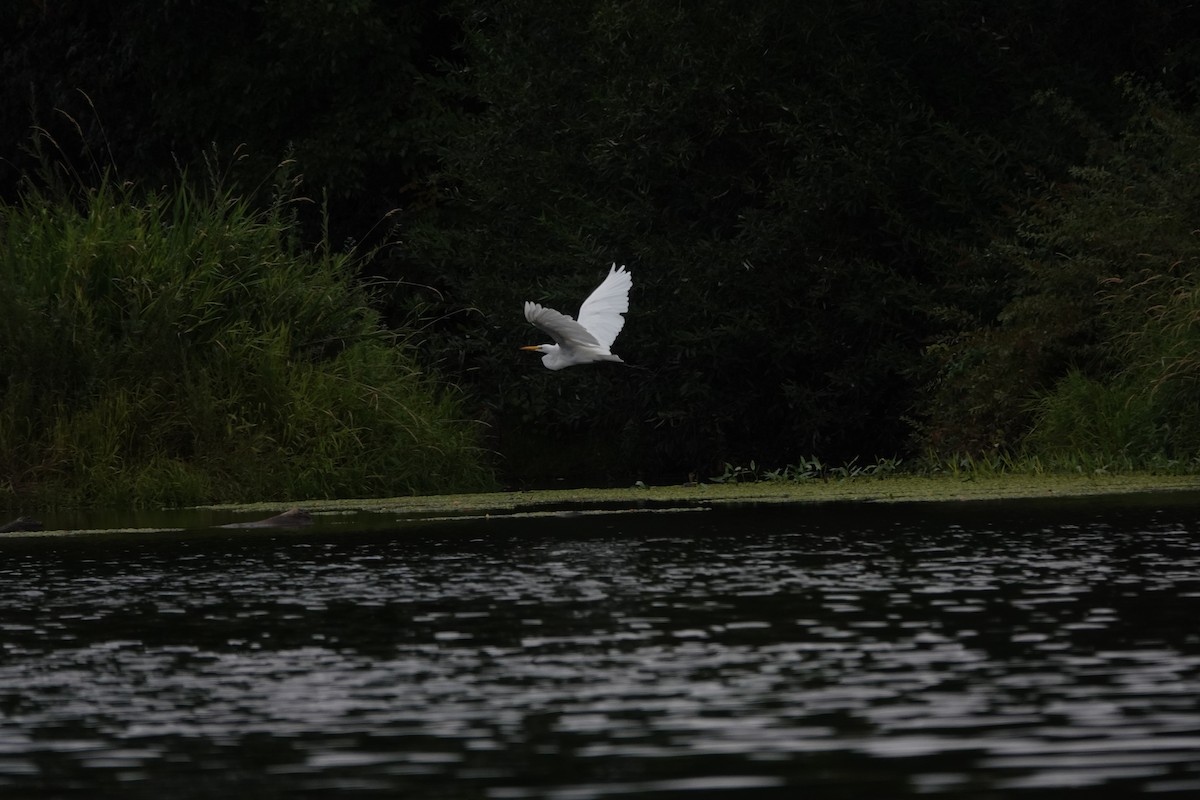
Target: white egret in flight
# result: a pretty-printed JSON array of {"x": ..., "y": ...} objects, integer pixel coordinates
[{"x": 590, "y": 338}]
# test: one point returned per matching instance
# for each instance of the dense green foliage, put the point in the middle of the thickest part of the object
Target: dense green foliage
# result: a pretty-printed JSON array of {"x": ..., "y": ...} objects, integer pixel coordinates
[
  {"x": 806, "y": 206},
  {"x": 150, "y": 84},
  {"x": 857, "y": 229},
  {"x": 179, "y": 349},
  {"x": 1104, "y": 327}
]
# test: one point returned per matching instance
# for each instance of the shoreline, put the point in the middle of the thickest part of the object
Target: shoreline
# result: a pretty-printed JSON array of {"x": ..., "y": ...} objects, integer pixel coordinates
[
  {"x": 432, "y": 509},
  {"x": 869, "y": 489}
]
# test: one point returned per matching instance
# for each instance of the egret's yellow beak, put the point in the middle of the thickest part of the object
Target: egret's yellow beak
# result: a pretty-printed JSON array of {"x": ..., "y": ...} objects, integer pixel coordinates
[{"x": 533, "y": 347}]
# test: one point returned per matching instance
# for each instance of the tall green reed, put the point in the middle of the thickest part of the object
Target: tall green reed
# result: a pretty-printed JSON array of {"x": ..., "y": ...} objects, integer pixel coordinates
[{"x": 180, "y": 347}]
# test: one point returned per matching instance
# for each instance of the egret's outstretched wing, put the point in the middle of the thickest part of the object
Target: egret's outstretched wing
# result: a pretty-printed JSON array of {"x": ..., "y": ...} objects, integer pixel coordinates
[
  {"x": 601, "y": 313},
  {"x": 566, "y": 331}
]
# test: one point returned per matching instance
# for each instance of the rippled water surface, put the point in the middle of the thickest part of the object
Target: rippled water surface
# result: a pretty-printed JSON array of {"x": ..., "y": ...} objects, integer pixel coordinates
[{"x": 972, "y": 651}]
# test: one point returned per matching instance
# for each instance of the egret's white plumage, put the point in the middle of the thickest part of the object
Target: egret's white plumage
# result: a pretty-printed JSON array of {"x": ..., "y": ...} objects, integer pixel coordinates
[{"x": 591, "y": 337}]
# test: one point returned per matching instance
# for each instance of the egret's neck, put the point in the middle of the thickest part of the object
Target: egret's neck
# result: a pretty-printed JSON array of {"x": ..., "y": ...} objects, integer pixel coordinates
[{"x": 552, "y": 357}]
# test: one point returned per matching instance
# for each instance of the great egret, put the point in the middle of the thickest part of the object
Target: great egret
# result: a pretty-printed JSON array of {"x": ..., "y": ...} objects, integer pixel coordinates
[{"x": 590, "y": 338}]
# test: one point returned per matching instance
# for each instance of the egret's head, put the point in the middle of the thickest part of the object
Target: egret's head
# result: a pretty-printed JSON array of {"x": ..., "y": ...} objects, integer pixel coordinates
[{"x": 551, "y": 355}]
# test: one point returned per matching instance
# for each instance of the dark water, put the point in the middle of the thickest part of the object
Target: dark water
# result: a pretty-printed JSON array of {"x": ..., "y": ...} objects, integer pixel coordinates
[{"x": 966, "y": 651}]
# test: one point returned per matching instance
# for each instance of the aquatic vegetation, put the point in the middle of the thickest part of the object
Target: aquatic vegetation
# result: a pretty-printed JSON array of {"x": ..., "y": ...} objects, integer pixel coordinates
[{"x": 895, "y": 488}]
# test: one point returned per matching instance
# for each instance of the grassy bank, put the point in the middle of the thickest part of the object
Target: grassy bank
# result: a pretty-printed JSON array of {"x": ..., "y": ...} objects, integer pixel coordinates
[
  {"x": 863, "y": 489},
  {"x": 397, "y": 514},
  {"x": 181, "y": 348}
]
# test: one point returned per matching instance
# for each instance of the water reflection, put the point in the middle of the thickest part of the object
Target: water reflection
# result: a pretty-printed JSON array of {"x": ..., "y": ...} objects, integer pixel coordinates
[{"x": 953, "y": 651}]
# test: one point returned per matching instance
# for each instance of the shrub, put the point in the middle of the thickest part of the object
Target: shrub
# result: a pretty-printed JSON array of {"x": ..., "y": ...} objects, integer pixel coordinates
[
  {"x": 1104, "y": 330},
  {"x": 180, "y": 348}
]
